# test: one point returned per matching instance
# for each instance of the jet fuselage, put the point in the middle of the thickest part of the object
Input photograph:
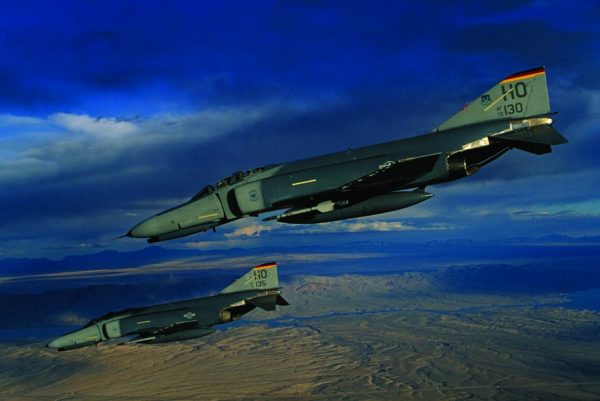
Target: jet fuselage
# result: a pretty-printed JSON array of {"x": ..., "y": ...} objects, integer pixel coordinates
[
  {"x": 180, "y": 320},
  {"x": 373, "y": 179}
]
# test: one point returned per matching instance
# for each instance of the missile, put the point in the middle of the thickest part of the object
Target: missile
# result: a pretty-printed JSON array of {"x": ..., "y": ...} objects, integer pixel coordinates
[{"x": 375, "y": 205}]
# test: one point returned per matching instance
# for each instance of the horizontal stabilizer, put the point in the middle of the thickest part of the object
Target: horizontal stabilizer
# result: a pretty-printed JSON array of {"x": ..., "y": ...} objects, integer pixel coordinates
[
  {"x": 536, "y": 139},
  {"x": 268, "y": 302},
  {"x": 544, "y": 134},
  {"x": 281, "y": 301}
]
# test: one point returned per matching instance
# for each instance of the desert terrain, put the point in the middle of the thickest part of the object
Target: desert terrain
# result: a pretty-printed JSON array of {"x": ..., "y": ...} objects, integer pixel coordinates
[{"x": 343, "y": 338}]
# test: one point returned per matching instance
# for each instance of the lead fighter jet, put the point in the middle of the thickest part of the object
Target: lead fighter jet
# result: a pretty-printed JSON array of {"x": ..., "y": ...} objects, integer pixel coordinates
[
  {"x": 515, "y": 113},
  {"x": 180, "y": 320}
]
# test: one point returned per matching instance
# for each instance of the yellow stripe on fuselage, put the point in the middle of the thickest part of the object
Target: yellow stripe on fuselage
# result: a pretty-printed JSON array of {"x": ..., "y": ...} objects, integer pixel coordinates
[
  {"x": 304, "y": 182},
  {"x": 206, "y": 216}
]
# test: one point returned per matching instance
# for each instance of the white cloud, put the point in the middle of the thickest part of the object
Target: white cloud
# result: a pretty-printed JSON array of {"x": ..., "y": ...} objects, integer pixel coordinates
[
  {"x": 94, "y": 126},
  {"x": 65, "y": 142},
  {"x": 367, "y": 226},
  {"x": 205, "y": 124},
  {"x": 377, "y": 226},
  {"x": 584, "y": 208},
  {"x": 253, "y": 230},
  {"x": 13, "y": 120},
  {"x": 227, "y": 244},
  {"x": 532, "y": 214}
]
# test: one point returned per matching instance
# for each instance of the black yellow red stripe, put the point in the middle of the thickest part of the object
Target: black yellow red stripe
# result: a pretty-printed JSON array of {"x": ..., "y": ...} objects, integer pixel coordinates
[
  {"x": 266, "y": 265},
  {"x": 524, "y": 75}
]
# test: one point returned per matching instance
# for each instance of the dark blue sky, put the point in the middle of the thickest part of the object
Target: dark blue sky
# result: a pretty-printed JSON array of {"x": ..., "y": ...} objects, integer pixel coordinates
[{"x": 112, "y": 111}]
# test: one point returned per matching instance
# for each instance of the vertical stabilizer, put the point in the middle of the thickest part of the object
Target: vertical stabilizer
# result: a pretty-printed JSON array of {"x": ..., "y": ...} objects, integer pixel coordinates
[
  {"x": 520, "y": 95},
  {"x": 262, "y": 277}
]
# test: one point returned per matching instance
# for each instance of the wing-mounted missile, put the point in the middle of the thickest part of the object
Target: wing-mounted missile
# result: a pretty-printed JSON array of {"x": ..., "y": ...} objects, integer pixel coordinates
[
  {"x": 344, "y": 210},
  {"x": 323, "y": 207}
]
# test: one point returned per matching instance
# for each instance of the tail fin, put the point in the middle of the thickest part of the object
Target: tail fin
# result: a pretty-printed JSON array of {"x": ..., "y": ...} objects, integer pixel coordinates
[
  {"x": 262, "y": 277},
  {"x": 523, "y": 94}
]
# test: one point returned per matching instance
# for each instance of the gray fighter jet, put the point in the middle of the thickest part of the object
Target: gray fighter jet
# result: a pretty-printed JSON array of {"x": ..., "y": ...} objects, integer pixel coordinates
[
  {"x": 180, "y": 320},
  {"x": 513, "y": 114}
]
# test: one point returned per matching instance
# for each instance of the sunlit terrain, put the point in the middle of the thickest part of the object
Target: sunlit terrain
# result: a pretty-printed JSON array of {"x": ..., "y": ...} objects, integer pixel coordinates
[{"x": 423, "y": 335}]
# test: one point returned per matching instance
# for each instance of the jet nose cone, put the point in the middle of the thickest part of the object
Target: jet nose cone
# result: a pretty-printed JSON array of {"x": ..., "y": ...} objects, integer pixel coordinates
[
  {"x": 145, "y": 229},
  {"x": 55, "y": 344}
]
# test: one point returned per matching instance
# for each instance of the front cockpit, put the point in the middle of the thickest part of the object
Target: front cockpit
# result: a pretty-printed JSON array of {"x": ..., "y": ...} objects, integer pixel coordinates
[
  {"x": 207, "y": 190},
  {"x": 212, "y": 206}
]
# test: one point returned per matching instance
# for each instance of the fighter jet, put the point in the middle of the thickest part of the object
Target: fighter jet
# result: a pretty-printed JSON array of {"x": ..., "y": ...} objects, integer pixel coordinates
[
  {"x": 513, "y": 114},
  {"x": 180, "y": 320}
]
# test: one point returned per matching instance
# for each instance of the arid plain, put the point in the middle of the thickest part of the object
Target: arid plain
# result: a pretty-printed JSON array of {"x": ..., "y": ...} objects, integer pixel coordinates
[{"x": 346, "y": 337}]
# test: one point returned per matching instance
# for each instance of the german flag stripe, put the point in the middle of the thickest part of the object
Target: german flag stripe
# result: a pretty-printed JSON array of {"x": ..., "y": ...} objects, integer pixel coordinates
[
  {"x": 524, "y": 75},
  {"x": 266, "y": 266}
]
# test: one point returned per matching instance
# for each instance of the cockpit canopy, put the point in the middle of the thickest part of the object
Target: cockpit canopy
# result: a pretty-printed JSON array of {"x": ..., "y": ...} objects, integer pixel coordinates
[
  {"x": 234, "y": 178},
  {"x": 207, "y": 190}
]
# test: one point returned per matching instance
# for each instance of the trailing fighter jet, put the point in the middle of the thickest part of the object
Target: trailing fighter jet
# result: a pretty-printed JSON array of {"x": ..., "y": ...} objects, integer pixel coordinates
[
  {"x": 180, "y": 320},
  {"x": 513, "y": 114}
]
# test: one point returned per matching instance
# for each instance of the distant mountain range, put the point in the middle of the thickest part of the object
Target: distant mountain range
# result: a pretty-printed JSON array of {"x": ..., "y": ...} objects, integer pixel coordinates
[
  {"x": 551, "y": 264},
  {"x": 450, "y": 250}
]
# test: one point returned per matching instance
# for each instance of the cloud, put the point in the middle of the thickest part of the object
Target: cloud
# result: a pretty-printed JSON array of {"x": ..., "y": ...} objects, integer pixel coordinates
[
  {"x": 91, "y": 144},
  {"x": 253, "y": 230},
  {"x": 112, "y": 145},
  {"x": 534, "y": 215},
  {"x": 353, "y": 226},
  {"x": 220, "y": 244},
  {"x": 377, "y": 226},
  {"x": 588, "y": 208},
  {"x": 77, "y": 166},
  {"x": 95, "y": 126},
  {"x": 16, "y": 120}
]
